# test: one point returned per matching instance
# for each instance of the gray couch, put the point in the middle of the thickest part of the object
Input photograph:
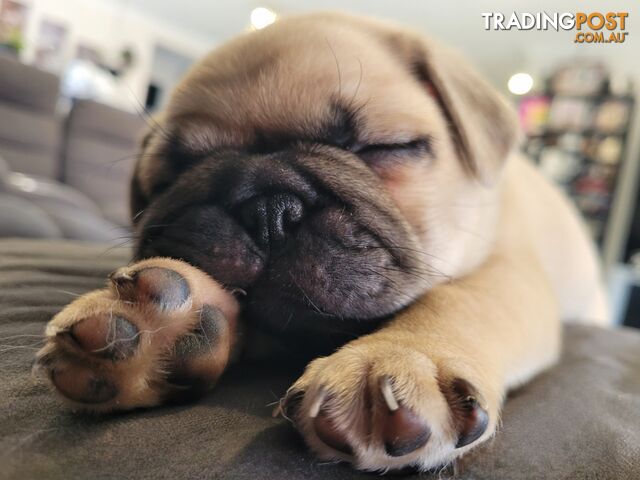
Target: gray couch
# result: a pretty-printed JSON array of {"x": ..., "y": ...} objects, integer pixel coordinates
[
  {"x": 578, "y": 421},
  {"x": 38, "y": 207},
  {"x": 98, "y": 155},
  {"x": 91, "y": 149}
]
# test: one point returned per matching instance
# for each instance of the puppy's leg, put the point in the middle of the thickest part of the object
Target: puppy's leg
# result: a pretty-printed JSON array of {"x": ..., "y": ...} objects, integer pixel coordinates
[
  {"x": 429, "y": 386},
  {"x": 159, "y": 331}
]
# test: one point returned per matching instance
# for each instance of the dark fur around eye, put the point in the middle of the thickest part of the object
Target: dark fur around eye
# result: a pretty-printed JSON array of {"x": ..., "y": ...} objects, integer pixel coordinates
[
  {"x": 179, "y": 157},
  {"x": 396, "y": 151}
]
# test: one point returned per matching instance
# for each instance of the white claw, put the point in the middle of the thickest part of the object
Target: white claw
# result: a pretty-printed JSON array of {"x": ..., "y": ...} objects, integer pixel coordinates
[
  {"x": 53, "y": 330},
  {"x": 314, "y": 410},
  {"x": 387, "y": 394}
]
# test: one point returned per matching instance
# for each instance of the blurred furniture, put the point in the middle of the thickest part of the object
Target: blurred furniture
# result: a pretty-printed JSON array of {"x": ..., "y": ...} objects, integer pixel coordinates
[
  {"x": 99, "y": 154},
  {"x": 38, "y": 207},
  {"x": 583, "y": 129},
  {"x": 30, "y": 131},
  {"x": 624, "y": 278},
  {"x": 624, "y": 294},
  {"x": 632, "y": 247},
  {"x": 579, "y": 420},
  {"x": 92, "y": 150},
  {"x": 578, "y": 131}
]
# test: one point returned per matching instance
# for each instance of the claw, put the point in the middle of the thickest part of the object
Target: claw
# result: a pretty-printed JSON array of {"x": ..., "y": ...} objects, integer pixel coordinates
[
  {"x": 289, "y": 405},
  {"x": 317, "y": 403},
  {"x": 403, "y": 431},
  {"x": 51, "y": 331},
  {"x": 387, "y": 393},
  {"x": 119, "y": 276}
]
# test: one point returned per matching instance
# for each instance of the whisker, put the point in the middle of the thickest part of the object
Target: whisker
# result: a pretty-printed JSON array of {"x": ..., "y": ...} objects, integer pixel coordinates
[
  {"x": 114, "y": 247},
  {"x": 307, "y": 297},
  {"x": 21, "y": 335},
  {"x": 73, "y": 294},
  {"x": 128, "y": 339},
  {"x": 428, "y": 267},
  {"x": 335, "y": 57},
  {"x": 10, "y": 348},
  {"x": 355, "y": 94},
  {"x": 148, "y": 117},
  {"x": 137, "y": 215}
]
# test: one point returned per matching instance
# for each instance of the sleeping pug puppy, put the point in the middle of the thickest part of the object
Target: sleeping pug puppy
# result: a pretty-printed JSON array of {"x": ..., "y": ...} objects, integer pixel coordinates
[{"x": 360, "y": 186}]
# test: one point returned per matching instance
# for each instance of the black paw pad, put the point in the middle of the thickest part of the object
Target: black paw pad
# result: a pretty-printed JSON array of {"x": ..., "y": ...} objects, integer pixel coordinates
[
  {"x": 193, "y": 373},
  {"x": 164, "y": 287},
  {"x": 112, "y": 337},
  {"x": 204, "y": 337},
  {"x": 403, "y": 432},
  {"x": 83, "y": 385},
  {"x": 470, "y": 417},
  {"x": 330, "y": 435}
]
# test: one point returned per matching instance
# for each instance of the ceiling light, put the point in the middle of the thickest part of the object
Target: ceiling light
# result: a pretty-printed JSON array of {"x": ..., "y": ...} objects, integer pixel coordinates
[
  {"x": 520, "y": 83},
  {"x": 262, "y": 17}
]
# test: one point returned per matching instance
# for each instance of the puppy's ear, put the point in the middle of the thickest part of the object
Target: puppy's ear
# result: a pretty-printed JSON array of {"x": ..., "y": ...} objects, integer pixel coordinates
[{"x": 483, "y": 126}]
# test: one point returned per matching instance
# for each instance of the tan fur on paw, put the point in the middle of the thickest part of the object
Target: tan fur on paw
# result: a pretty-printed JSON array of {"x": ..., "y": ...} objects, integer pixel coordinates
[
  {"x": 161, "y": 330},
  {"x": 384, "y": 406}
]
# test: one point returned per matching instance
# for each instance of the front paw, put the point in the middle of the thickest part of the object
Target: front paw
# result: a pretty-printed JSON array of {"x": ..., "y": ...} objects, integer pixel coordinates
[
  {"x": 381, "y": 406},
  {"x": 162, "y": 330}
]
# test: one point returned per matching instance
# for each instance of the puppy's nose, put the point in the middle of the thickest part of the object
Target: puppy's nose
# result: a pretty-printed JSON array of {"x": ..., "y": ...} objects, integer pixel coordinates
[{"x": 270, "y": 218}]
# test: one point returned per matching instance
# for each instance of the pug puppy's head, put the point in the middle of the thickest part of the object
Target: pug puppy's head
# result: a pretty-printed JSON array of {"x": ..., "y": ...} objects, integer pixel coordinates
[{"x": 332, "y": 167}]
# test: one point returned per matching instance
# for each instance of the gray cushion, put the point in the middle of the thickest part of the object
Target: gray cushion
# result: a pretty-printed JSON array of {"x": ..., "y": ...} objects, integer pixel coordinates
[
  {"x": 101, "y": 121},
  {"x": 80, "y": 224},
  {"x": 580, "y": 420},
  {"x": 27, "y": 86},
  {"x": 21, "y": 218},
  {"x": 44, "y": 208},
  {"x": 54, "y": 193},
  {"x": 99, "y": 155},
  {"x": 29, "y": 129},
  {"x": 26, "y": 127}
]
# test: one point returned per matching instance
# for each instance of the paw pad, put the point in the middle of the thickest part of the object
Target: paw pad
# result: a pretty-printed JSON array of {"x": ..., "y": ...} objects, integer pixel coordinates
[
  {"x": 83, "y": 385},
  {"x": 164, "y": 287},
  {"x": 204, "y": 337},
  {"x": 153, "y": 335},
  {"x": 325, "y": 427},
  {"x": 470, "y": 418},
  {"x": 403, "y": 431},
  {"x": 112, "y": 337},
  {"x": 369, "y": 423},
  {"x": 195, "y": 352}
]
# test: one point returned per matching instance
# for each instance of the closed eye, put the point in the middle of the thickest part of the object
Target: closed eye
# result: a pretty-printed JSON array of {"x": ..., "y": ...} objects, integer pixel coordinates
[{"x": 375, "y": 152}]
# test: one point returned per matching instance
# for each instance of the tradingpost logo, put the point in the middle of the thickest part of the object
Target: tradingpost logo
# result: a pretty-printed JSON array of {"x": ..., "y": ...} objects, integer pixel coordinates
[{"x": 593, "y": 27}]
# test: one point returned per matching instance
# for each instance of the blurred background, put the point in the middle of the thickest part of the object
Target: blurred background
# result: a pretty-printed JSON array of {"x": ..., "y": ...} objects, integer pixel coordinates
[{"x": 79, "y": 79}]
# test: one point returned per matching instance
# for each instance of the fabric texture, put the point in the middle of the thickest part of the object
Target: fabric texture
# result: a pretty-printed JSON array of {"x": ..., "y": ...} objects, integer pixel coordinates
[{"x": 579, "y": 420}]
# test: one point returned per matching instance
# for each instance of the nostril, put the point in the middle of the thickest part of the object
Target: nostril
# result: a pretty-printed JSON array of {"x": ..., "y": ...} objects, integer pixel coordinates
[
  {"x": 284, "y": 211},
  {"x": 294, "y": 209},
  {"x": 253, "y": 214},
  {"x": 270, "y": 218}
]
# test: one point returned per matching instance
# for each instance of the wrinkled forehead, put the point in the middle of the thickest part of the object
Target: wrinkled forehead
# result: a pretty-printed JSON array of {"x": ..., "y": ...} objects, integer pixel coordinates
[{"x": 297, "y": 79}]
